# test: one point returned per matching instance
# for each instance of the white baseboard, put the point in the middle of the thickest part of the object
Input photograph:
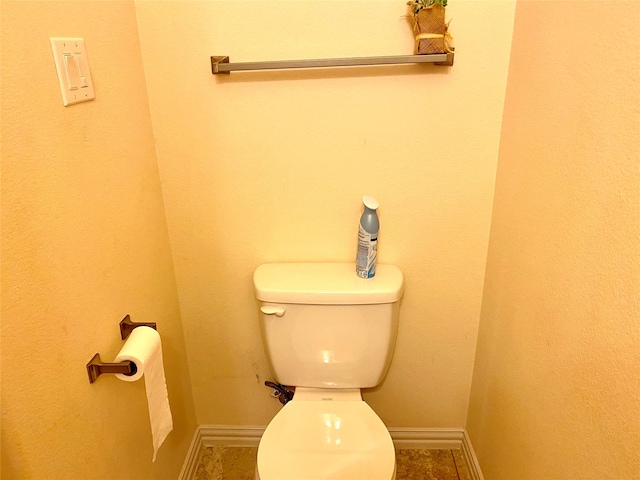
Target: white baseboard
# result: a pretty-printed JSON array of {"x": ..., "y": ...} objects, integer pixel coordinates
[
  {"x": 230, "y": 436},
  {"x": 470, "y": 457},
  {"x": 190, "y": 464},
  {"x": 212, "y": 435},
  {"x": 427, "y": 438},
  {"x": 439, "y": 439},
  {"x": 423, "y": 438}
]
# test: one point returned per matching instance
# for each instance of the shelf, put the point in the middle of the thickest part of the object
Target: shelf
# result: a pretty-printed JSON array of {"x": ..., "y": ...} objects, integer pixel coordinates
[{"x": 221, "y": 65}]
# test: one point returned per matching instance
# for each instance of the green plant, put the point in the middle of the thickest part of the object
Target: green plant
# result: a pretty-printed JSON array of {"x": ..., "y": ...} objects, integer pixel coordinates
[{"x": 417, "y": 5}]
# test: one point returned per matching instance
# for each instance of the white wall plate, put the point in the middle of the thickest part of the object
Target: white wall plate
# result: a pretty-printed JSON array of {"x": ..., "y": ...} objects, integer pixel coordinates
[{"x": 72, "y": 66}]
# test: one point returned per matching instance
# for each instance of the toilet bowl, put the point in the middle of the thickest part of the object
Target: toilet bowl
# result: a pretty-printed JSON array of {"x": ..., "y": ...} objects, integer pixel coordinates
[{"x": 326, "y": 434}]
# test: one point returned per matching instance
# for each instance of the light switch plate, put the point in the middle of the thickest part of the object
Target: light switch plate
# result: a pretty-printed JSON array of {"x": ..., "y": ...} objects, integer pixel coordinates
[{"x": 72, "y": 65}]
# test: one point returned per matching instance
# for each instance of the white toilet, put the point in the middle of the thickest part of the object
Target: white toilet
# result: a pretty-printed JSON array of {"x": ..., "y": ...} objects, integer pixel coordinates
[{"x": 329, "y": 333}]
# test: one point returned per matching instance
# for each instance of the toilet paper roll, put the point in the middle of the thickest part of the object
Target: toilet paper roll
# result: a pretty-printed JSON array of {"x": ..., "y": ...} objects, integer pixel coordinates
[{"x": 144, "y": 348}]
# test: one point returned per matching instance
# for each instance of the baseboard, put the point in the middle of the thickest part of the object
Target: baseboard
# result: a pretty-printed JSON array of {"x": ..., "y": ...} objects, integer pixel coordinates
[
  {"x": 190, "y": 464},
  {"x": 427, "y": 438},
  {"x": 230, "y": 436},
  {"x": 470, "y": 457},
  {"x": 439, "y": 439},
  {"x": 212, "y": 435},
  {"x": 423, "y": 438}
]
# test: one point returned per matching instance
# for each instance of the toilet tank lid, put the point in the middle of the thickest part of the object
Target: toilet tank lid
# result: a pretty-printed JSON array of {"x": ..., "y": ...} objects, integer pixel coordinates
[{"x": 326, "y": 284}]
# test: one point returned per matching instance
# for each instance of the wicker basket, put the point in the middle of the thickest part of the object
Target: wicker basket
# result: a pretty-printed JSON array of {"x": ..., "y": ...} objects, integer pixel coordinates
[{"x": 431, "y": 30}]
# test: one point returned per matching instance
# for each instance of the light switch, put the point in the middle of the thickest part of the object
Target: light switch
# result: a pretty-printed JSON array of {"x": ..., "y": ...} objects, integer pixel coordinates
[
  {"x": 72, "y": 66},
  {"x": 72, "y": 69}
]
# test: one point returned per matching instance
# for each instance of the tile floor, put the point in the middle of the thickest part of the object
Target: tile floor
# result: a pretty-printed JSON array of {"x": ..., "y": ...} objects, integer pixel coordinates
[{"x": 238, "y": 463}]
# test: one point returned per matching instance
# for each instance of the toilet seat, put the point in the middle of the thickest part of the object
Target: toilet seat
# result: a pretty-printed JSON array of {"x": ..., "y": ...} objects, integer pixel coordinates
[{"x": 332, "y": 435}]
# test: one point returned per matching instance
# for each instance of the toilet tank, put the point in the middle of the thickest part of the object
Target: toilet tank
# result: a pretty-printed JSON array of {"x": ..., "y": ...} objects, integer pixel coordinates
[{"x": 324, "y": 327}]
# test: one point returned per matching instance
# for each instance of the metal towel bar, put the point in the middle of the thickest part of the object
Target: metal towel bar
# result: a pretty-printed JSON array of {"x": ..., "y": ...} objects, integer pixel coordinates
[{"x": 221, "y": 64}]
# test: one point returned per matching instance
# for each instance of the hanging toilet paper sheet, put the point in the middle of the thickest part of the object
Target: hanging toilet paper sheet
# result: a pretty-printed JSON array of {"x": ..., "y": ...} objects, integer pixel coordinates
[{"x": 144, "y": 348}]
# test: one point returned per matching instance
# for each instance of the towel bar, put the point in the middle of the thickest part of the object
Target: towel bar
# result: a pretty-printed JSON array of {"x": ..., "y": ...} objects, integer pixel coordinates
[{"x": 221, "y": 65}]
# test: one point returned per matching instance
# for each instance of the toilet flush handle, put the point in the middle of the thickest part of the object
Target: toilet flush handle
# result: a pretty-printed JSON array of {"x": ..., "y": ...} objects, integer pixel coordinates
[{"x": 271, "y": 310}]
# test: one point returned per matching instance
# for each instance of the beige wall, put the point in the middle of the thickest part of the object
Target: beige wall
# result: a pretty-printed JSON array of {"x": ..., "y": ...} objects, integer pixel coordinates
[
  {"x": 84, "y": 242},
  {"x": 556, "y": 389},
  {"x": 270, "y": 166}
]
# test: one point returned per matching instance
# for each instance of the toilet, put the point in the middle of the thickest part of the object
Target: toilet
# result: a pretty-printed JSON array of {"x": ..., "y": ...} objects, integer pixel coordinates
[{"x": 329, "y": 334}]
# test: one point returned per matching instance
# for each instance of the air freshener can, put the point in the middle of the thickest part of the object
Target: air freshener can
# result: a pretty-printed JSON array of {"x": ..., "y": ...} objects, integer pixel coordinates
[{"x": 368, "y": 239}]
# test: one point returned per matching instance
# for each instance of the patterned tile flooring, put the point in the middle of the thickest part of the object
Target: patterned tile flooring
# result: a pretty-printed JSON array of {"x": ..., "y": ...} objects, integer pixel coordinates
[{"x": 238, "y": 463}]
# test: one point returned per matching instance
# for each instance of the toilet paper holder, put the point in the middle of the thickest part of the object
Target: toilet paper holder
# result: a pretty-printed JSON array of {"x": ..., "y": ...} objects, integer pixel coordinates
[{"x": 96, "y": 367}]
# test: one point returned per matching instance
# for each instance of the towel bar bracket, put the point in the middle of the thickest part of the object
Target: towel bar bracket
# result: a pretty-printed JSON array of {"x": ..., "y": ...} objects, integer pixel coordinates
[{"x": 215, "y": 65}]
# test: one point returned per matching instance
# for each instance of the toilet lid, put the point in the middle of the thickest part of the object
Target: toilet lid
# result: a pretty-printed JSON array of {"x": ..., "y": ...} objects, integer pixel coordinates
[{"x": 319, "y": 440}]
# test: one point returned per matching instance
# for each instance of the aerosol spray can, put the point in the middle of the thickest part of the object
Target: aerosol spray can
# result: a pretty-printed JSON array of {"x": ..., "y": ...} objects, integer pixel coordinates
[{"x": 368, "y": 239}]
